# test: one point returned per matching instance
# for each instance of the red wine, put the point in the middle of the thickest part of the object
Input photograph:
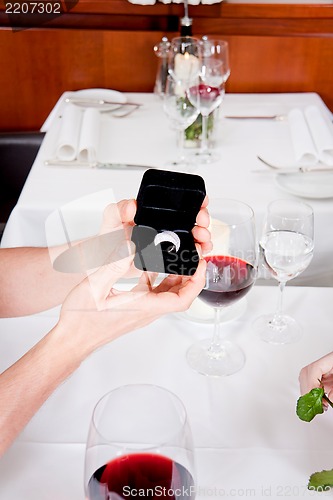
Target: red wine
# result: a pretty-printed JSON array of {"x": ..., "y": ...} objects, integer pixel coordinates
[
  {"x": 209, "y": 97},
  {"x": 144, "y": 475},
  {"x": 229, "y": 279}
]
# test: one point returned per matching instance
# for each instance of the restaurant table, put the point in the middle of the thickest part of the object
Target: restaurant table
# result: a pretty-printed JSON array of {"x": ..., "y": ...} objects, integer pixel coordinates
[
  {"x": 146, "y": 137},
  {"x": 248, "y": 440}
]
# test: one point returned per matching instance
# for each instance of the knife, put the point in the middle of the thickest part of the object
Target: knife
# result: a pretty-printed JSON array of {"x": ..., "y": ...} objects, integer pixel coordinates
[
  {"x": 89, "y": 100},
  {"x": 97, "y": 165},
  {"x": 296, "y": 170},
  {"x": 255, "y": 117}
]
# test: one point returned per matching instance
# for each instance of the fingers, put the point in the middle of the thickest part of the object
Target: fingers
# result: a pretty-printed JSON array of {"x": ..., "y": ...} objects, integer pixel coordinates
[
  {"x": 204, "y": 248},
  {"x": 203, "y": 238},
  {"x": 117, "y": 213},
  {"x": 311, "y": 375},
  {"x": 168, "y": 283},
  {"x": 146, "y": 282},
  {"x": 176, "y": 293},
  {"x": 201, "y": 234},
  {"x": 195, "y": 283},
  {"x": 127, "y": 210},
  {"x": 102, "y": 280},
  {"x": 205, "y": 202},
  {"x": 203, "y": 218},
  {"x": 200, "y": 231}
]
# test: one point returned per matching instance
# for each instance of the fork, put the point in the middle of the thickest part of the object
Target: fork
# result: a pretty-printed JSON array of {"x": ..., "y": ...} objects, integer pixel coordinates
[
  {"x": 118, "y": 113},
  {"x": 292, "y": 168}
]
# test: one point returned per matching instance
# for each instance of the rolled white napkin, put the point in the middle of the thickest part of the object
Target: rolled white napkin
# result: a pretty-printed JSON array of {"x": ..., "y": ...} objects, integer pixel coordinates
[
  {"x": 69, "y": 133},
  {"x": 304, "y": 148},
  {"x": 321, "y": 134},
  {"x": 310, "y": 144},
  {"x": 89, "y": 136}
]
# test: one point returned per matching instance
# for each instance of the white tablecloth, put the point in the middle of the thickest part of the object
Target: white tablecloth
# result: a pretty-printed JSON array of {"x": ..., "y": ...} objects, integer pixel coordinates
[
  {"x": 145, "y": 137},
  {"x": 249, "y": 441}
]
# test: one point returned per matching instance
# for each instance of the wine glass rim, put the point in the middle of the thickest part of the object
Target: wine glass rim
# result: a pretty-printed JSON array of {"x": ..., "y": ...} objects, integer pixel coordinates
[
  {"x": 246, "y": 219},
  {"x": 292, "y": 202},
  {"x": 187, "y": 39},
  {"x": 127, "y": 386},
  {"x": 220, "y": 41}
]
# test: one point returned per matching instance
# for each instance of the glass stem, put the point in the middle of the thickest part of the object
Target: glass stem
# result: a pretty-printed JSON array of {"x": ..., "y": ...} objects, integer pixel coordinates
[
  {"x": 279, "y": 313},
  {"x": 181, "y": 144},
  {"x": 204, "y": 138},
  {"x": 215, "y": 346}
]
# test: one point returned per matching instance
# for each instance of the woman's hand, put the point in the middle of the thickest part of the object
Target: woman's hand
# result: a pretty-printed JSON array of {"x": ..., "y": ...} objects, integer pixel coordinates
[
  {"x": 316, "y": 374},
  {"x": 95, "y": 312}
]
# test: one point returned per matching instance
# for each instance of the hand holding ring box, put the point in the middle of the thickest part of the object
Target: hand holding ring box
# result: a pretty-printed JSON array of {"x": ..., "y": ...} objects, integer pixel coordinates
[{"x": 167, "y": 207}]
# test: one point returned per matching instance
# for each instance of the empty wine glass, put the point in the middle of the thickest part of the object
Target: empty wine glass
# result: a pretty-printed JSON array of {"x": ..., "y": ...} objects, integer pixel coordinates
[
  {"x": 184, "y": 66},
  {"x": 215, "y": 71},
  {"x": 286, "y": 249},
  {"x": 139, "y": 444},
  {"x": 180, "y": 110},
  {"x": 231, "y": 272}
]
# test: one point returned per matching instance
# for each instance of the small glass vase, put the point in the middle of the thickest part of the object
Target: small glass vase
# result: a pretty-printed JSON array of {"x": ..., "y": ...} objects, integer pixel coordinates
[{"x": 193, "y": 133}]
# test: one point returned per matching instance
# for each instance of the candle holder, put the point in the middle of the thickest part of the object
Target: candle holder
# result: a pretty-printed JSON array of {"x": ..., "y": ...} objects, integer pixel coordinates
[{"x": 161, "y": 51}]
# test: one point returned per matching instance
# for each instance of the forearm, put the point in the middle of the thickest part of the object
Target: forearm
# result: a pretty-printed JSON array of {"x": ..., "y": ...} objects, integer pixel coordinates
[
  {"x": 31, "y": 380},
  {"x": 28, "y": 282}
]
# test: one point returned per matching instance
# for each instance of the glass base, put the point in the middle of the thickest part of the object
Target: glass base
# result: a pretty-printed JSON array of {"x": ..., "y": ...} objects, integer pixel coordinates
[
  {"x": 180, "y": 163},
  {"x": 215, "y": 361},
  {"x": 285, "y": 330},
  {"x": 205, "y": 157}
]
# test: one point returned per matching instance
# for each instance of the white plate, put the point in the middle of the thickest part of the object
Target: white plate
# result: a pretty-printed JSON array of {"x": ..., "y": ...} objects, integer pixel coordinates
[
  {"x": 107, "y": 94},
  {"x": 199, "y": 312},
  {"x": 317, "y": 185},
  {"x": 103, "y": 94}
]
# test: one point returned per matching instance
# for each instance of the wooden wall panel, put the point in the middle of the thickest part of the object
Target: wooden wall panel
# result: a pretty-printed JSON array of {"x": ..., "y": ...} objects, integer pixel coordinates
[
  {"x": 41, "y": 64},
  {"x": 273, "y": 49}
]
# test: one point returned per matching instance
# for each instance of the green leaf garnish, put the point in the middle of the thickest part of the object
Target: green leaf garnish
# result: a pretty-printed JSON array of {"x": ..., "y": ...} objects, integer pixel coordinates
[
  {"x": 310, "y": 405},
  {"x": 321, "y": 481}
]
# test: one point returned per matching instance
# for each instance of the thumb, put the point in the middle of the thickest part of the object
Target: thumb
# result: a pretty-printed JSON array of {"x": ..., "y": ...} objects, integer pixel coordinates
[
  {"x": 116, "y": 214},
  {"x": 102, "y": 280}
]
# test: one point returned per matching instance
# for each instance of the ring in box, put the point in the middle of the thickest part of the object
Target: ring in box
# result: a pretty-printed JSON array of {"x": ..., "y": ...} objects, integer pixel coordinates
[{"x": 167, "y": 207}]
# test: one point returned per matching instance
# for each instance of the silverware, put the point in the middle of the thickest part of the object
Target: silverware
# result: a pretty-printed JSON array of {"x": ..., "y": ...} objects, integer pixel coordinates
[
  {"x": 291, "y": 169},
  {"x": 97, "y": 165},
  {"x": 120, "y": 111},
  {"x": 256, "y": 117},
  {"x": 90, "y": 100}
]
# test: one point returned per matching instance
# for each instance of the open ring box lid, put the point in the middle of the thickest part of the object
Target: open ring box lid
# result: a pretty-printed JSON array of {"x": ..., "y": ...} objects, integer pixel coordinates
[{"x": 167, "y": 201}]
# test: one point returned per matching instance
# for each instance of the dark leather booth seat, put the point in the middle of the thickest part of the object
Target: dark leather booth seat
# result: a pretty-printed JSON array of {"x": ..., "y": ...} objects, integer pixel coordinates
[{"x": 18, "y": 151}]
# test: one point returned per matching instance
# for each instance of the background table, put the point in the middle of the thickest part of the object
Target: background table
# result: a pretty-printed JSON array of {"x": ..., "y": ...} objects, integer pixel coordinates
[
  {"x": 145, "y": 137},
  {"x": 249, "y": 441}
]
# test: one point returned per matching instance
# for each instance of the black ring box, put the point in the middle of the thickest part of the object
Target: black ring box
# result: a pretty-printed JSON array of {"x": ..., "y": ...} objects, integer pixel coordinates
[{"x": 167, "y": 201}]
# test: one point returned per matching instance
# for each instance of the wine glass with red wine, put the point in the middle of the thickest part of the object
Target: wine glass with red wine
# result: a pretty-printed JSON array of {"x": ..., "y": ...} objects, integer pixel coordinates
[
  {"x": 139, "y": 444},
  {"x": 231, "y": 273}
]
